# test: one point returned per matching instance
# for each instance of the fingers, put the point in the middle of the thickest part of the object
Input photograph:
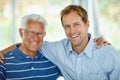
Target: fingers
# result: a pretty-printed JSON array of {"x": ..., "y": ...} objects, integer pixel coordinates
[
  {"x": 100, "y": 41},
  {"x": 106, "y": 43},
  {"x": 1, "y": 57},
  {"x": 95, "y": 39},
  {"x": 1, "y": 61}
]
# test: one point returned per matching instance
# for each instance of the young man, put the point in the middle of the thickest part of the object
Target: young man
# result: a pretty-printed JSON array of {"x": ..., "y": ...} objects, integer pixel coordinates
[{"x": 76, "y": 56}]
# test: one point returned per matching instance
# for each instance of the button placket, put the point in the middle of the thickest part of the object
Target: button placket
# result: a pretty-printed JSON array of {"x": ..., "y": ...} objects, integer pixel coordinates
[{"x": 79, "y": 70}]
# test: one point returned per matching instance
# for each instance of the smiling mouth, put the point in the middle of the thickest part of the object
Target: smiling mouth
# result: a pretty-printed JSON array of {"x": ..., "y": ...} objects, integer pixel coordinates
[
  {"x": 74, "y": 36},
  {"x": 34, "y": 43}
]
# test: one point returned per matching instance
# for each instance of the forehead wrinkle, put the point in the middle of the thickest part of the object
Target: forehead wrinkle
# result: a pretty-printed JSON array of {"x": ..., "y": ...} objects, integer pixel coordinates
[
  {"x": 29, "y": 22},
  {"x": 74, "y": 21}
]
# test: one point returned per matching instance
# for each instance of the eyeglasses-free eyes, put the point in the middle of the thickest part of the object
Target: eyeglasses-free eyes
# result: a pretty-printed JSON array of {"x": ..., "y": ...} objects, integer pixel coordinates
[{"x": 32, "y": 33}]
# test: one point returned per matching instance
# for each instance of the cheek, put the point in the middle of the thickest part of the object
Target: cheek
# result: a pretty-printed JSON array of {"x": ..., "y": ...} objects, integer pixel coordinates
[
  {"x": 86, "y": 30},
  {"x": 67, "y": 31},
  {"x": 40, "y": 40},
  {"x": 25, "y": 38}
]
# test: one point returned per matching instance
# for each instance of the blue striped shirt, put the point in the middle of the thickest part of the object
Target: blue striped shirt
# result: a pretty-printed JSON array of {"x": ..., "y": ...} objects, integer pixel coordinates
[
  {"x": 21, "y": 67},
  {"x": 90, "y": 64}
]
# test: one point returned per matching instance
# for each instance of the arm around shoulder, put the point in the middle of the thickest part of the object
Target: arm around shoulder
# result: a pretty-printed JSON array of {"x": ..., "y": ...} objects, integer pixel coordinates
[{"x": 2, "y": 52}]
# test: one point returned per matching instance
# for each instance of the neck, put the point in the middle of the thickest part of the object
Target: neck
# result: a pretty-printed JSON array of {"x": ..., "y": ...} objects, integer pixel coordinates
[{"x": 27, "y": 52}]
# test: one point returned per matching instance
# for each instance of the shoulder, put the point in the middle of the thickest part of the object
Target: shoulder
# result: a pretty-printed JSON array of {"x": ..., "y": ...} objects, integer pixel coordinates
[
  {"x": 108, "y": 52},
  {"x": 14, "y": 50},
  {"x": 107, "y": 57},
  {"x": 8, "y": 54},
  {"x": 107, "y": 49},
  {"x": 55, "y": 43},
  {"x": 12, "y": 53}
]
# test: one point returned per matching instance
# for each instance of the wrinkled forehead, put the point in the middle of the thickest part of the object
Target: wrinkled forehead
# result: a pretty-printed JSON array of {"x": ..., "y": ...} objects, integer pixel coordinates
[
  {"x": 34, "y": 25},
  {"x": 29, "y": 22}
]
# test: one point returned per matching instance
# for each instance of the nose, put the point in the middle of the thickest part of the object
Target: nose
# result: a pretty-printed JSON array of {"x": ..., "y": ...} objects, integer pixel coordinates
[{"x": 72, "y": 29}]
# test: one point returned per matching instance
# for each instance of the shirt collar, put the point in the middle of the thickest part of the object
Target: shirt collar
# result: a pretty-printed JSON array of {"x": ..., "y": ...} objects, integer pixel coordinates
[
  {"x": 20, "y": 54},
  {"x": 87, "y": 50},
  {"x": 69, "y": 46}
]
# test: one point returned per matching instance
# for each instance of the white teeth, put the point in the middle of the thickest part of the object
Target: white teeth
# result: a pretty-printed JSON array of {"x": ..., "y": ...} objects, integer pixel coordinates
[
  {"x": 74, "y": 36},
  {"x": 33, "y": 42}
]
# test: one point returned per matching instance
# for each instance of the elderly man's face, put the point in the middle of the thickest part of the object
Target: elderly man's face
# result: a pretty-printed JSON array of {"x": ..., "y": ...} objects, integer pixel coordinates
[{"x": 32, "y": 36}]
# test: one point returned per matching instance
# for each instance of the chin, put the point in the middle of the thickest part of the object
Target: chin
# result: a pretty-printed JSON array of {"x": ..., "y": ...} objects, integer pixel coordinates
[
  {"x": 75, "y": 43},
  {"x": 33, "y": 50}
]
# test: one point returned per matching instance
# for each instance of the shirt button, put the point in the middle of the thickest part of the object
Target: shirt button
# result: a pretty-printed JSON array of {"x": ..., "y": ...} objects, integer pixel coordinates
[
  {"x": 32, "y": 67},
  {"x": 36, "y": 56},
  {"x": 27, "y": 57}
]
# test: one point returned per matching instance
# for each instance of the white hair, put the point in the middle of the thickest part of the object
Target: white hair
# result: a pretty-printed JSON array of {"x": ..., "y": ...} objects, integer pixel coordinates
[{"x": 35, "y": 17}]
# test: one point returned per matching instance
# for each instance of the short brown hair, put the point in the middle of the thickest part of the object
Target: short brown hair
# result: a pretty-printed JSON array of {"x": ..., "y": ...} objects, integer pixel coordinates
[{"x": 77, "y": 9}]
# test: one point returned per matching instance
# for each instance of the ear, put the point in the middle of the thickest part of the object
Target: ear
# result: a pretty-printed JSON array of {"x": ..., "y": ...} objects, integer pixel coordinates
[
  {"x": 21, "y": 32},
  {"x": 87, "y": 24}
]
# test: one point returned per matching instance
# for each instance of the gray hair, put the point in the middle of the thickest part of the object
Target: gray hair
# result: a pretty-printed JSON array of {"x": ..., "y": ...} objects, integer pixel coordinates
[{"x": 35, "y": 17}]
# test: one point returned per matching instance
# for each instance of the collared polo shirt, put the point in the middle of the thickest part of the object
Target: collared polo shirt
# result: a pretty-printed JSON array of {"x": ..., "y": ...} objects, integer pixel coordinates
[{"x": 19, "y": 66}]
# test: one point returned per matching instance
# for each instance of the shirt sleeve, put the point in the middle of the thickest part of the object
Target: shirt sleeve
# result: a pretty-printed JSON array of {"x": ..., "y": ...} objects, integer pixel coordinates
[
  {"x": 115, "y": 73},
  {"x": 49, "y": 50}
]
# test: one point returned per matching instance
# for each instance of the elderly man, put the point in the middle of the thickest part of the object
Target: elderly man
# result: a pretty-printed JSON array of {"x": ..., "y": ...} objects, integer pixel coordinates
[{"x": 25, "y": 62}]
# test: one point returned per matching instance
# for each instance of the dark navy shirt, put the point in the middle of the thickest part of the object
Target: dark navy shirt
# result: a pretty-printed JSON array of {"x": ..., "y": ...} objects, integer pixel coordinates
[{"x": 19, "y": 66}]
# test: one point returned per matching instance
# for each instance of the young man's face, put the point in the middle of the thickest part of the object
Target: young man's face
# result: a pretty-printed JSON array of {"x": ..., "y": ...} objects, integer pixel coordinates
[
  {"x": 75, "y": 29},
  {"x": 32, "y": 36}
]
